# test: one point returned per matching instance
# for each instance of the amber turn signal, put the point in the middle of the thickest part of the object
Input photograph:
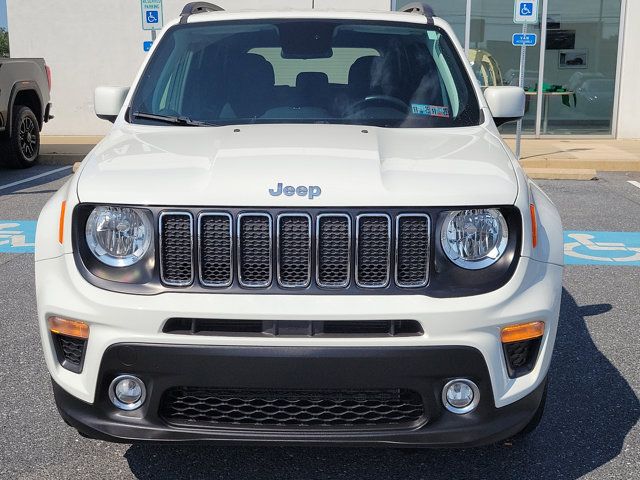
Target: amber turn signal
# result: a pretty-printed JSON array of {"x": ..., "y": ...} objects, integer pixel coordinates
[
  {"x": 534, "y": 225},
  {"x": 63, "y": 209},
  {"x": 69, "y": 328},
  {"x": 523, "y": 331}
]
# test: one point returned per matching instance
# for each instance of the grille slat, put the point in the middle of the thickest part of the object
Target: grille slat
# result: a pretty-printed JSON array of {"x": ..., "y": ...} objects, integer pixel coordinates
[
  {"x": 215, "y": 239},
  {"x": 412, "y": 250},
  {"x": 251, "y": 249},
  {"x": 333, "y": 251},
  {"x": 294, "y": 250},
  {"x": 255, "y": 250},
  {"x": 176, "y": 250},
  {"x": 324, "y": 409},
  {"x": 373, "y": 247}
]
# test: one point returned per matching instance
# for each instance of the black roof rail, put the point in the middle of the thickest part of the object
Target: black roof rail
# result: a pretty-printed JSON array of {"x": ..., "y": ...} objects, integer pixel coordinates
[
  {"x": 421, "y": 8},
  {"x": 198, "y": 7}
]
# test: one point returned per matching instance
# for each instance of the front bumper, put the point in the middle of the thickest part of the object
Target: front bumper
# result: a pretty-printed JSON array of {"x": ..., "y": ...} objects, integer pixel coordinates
[{"x": 424, "y": 370}]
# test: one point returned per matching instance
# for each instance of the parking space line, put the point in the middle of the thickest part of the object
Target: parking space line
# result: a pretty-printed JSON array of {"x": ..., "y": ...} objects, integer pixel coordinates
[
  {"x": 35, "y": 177},
  {"x": 634, "y": 183}
]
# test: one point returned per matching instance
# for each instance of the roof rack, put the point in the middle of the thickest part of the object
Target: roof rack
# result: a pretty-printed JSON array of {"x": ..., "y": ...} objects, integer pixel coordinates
[
  {"x": 194, "y": 8},
  {"x": 421, "y": 8}
]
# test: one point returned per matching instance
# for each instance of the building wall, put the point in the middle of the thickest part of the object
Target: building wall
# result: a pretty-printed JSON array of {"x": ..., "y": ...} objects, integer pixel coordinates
[
  {"x": 100, "y": 43},
  {"x": 87, "y": 44},
  {"x": 628, "y": 125}
]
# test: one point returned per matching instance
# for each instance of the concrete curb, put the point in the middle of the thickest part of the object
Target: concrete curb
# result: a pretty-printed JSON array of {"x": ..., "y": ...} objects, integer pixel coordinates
[{"x": 561, "y": 173}]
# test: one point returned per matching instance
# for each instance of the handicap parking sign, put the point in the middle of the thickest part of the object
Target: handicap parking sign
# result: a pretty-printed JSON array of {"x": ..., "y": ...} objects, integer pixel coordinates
[
  {"x": 525, "y": 11},
  {"x": 151, "y": 14}
]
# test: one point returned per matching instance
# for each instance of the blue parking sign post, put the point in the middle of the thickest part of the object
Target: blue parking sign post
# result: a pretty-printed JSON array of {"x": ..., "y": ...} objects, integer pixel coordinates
[
  {"x": 151, "y": 16},
  {"x": 524, "y": 12}
]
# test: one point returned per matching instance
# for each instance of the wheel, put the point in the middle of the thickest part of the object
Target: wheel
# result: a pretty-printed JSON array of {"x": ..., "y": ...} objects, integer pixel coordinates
[
  {"x": 22, "y": 148},
  {"x": 535, "y": 421}
]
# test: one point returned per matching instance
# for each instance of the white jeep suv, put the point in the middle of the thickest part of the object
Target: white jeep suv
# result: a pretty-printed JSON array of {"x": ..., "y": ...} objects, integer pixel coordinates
[{"x": 304, "y": 227}]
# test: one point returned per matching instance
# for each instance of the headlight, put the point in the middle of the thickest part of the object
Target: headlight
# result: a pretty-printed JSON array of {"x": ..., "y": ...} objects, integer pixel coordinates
[
  {"x": 474, "y": 239},
  {"x": 118, "y": 236}
]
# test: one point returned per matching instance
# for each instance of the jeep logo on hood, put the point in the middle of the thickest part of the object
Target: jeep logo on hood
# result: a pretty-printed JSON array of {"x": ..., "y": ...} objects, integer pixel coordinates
[{"x": 312, "y": 191}]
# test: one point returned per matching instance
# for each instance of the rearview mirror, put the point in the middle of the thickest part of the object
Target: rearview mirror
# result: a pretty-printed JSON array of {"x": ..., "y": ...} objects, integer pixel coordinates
[
  {"x": 506, "y": 103},
  {"x": 108, "y": 102}
]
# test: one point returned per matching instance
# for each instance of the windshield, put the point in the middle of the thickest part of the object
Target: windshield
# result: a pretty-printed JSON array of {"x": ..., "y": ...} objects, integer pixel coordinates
[{"x": 305, "y": 71}]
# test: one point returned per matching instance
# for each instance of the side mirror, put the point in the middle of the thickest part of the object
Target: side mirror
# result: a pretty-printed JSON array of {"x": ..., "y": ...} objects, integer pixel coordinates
[
  {"x": 108, "y": 102},
  {"x": 506, "y": 103}
]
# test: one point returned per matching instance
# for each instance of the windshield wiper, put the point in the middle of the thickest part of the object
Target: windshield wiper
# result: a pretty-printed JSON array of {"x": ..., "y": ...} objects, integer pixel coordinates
[{"x": 174, "y": 120}]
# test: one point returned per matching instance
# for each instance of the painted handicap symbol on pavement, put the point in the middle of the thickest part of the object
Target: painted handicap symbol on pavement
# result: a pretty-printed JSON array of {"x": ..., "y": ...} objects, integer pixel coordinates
[
  {"x": 602, "y": 248},
  {"x": 17, "y": 236}
]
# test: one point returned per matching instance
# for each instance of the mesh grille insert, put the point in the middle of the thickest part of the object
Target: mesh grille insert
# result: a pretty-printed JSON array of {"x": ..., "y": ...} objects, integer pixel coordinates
[
  {"x": 215, "y": 250},
  {"x": 208, "y": 407},
  {"x": 176, "y": 254},
  {"x": 334, "y": 250},
  {"x": 521, "y": 356},
  {"x": 255, "y": 250},
  {"x": 294, "y": 250},
  {"x": 72, "y": 349},
  {"x": 412, "y": 241},
  {"x": 70, "y": 352},
  {"x": 373, "y": 251}
]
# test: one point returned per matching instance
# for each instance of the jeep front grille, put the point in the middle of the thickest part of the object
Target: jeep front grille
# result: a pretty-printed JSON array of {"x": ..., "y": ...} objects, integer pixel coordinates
[{"x": 290, "y": 250}]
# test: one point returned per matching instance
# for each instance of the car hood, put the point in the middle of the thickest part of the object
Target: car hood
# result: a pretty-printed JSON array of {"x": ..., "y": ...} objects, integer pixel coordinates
[{"x": 351, "y": 165}]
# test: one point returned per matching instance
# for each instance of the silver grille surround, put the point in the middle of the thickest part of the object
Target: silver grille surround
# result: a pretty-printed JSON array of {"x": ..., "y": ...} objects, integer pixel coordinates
[
  {"x": 359, "y": 283},
  {"x": 281, "y": 282},
  {"x": 319, "y": 282},
  {"x": 239, "y": 250},
  {"x": 231, "y": 245},
  {"x": 399, "y": 218},
  {"x": 181, "y": 213}
]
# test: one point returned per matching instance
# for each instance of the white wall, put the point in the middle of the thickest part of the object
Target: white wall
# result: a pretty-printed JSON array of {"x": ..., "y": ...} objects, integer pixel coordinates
[
  {"x": 628, "y": 125},
  {"x": 87, "y": 44}
]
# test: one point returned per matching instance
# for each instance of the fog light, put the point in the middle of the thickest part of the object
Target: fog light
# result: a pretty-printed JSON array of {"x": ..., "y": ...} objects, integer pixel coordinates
[
  {"x": 460, "y": 396},
  {"x": 127, "y": 392}
]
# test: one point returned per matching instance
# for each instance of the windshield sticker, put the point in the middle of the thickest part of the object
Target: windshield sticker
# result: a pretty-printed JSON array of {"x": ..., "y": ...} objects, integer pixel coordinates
[{"x": 430, "y": 110}]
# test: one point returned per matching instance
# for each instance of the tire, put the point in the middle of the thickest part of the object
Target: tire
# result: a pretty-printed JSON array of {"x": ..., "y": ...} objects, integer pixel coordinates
[
  {"x": 22, "y": 148},
  {"x": 537, "y": 417}
]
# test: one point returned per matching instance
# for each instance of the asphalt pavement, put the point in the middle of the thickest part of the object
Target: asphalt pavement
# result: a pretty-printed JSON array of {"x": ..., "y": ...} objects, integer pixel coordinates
[{"x": 590, "y": 428}]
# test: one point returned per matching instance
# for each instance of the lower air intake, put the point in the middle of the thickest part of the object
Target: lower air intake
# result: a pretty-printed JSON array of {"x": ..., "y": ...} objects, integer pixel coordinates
[{"x": 208, "y": 407}]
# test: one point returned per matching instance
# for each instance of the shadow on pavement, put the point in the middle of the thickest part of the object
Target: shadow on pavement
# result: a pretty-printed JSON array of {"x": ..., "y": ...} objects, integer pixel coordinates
[{"x": 590, "y": 410}]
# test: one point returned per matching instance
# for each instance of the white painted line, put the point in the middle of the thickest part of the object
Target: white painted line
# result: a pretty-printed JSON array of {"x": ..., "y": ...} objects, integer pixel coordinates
[
  {"x": 634, "y": 183},
  {"x": 35, "y": 177}
]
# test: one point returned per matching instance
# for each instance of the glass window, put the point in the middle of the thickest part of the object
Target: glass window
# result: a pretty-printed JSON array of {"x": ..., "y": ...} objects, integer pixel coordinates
[
  {"x": 306, "y": 71},
  {"x": 580, "y": 66},
  {"x": 453, "y": 11},
  {"x": 496, "y": 61}
]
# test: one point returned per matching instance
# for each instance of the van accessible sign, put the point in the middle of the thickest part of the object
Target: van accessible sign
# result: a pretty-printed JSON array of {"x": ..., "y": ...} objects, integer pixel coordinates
[{"x": 151, "y": 14}]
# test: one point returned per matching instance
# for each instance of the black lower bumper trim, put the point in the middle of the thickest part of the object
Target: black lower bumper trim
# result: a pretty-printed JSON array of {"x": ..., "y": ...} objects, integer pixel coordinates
[{"x": 424, "y": 370}]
